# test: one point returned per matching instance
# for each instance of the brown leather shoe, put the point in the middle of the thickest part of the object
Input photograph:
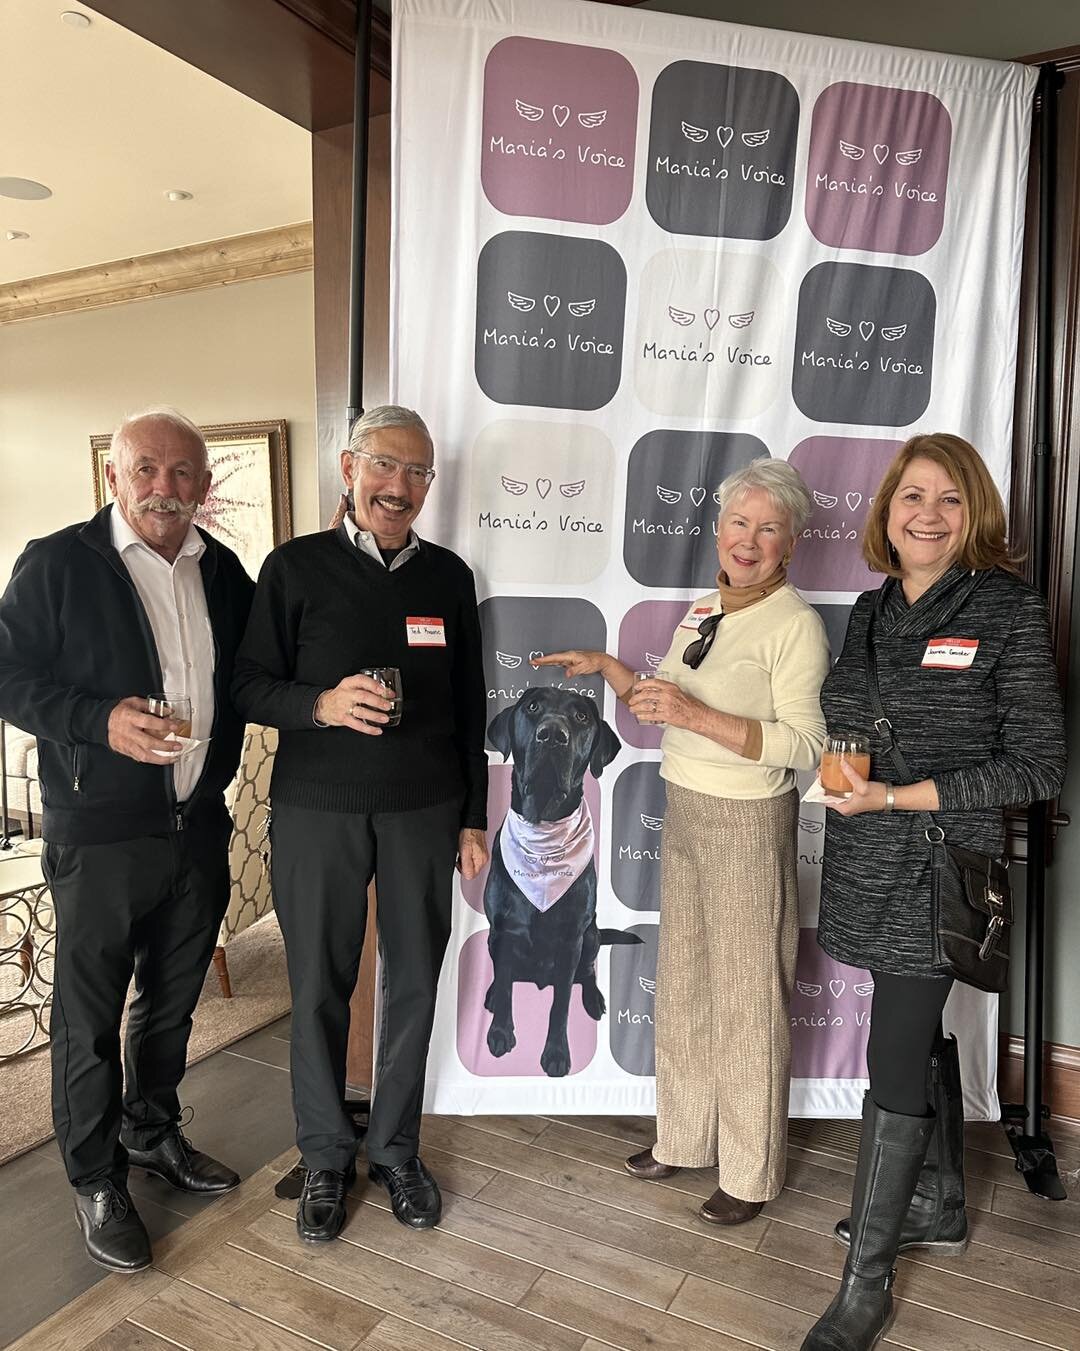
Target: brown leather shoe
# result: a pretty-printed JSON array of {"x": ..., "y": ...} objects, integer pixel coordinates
[
  {"x": 644, "y": 1165},
  {"x": 721, "y": 1208}
]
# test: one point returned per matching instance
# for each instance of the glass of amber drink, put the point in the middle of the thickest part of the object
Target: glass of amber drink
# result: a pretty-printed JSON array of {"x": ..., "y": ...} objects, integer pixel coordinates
[
  {"x": 175, "y": 707},
  {"x": 855, "y": 750}
]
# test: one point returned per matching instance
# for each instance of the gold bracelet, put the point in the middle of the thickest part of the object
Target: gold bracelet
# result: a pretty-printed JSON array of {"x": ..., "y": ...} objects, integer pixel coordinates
[{"x": 890, "y": 797}]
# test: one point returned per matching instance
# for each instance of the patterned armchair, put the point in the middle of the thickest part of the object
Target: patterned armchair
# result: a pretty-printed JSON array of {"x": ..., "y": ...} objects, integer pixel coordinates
[{"x": 247, "y": 799}]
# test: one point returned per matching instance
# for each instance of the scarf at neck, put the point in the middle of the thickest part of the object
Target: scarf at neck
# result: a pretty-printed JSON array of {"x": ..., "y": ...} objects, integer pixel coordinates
[
  {"x": 735, "y": 598},
  {"x": 545, "y": 858},
  {"x": 895, "y": 618}
]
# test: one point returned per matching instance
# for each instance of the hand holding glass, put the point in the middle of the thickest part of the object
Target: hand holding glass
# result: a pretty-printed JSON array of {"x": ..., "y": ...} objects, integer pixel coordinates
[
  {"x": 855, "y": 750},
  {"x": 390, "y": 678},
  {"x": 644, "y": 721},
  {"x": 175, "y": 707}
]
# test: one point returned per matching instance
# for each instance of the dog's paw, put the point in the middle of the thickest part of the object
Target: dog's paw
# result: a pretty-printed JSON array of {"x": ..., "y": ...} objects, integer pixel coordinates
[
  {"x": 489, "y": 998},
  {"x": 595, "y": 1004},
  {"x": 500, "y": 1040},
  {"x": 555, "y": 1061}
]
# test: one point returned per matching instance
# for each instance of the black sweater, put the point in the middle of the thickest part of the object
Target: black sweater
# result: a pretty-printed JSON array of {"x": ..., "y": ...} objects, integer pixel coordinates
[
  {"x": 75, "y": 639},
  {"x": 323, "y": 610}
]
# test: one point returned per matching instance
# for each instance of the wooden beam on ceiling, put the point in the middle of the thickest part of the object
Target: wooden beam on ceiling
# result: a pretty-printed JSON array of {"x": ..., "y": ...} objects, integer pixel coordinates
[{"x": 265, "y": 253}]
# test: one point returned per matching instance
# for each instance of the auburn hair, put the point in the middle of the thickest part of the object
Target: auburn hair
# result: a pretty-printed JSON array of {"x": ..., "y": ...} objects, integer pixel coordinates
[{"x": 983, "y": 542}]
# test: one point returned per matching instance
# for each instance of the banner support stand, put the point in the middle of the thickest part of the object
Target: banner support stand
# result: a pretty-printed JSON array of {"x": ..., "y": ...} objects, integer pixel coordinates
[
  {"x": 358, "y": 250},
  {"x": 1034, "y": 1150}
]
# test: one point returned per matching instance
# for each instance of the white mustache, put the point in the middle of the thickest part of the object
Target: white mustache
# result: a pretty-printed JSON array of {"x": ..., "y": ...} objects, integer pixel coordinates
[{"x": 156, "y": 503}]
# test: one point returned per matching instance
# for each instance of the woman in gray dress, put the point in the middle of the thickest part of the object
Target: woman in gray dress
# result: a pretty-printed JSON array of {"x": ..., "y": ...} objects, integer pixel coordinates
[{"x": 967, "y": 680}]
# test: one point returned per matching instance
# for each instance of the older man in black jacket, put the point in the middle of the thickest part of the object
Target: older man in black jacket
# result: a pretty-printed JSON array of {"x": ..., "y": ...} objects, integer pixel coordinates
[{"x": 95, "y": 618}]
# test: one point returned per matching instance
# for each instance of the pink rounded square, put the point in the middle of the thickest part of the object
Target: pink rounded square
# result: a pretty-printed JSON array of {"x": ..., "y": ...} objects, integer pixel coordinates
[
  {"x": 559, "y": 131},
  {"x": 830, "y": 1015},
  {"x": 878, "y": 168},
  {"x": 500, "y": 783},
  {"x": 843, "y": 474},
  {"x": 644, "y": 638},
  {"x": 531, "y": 1010}
]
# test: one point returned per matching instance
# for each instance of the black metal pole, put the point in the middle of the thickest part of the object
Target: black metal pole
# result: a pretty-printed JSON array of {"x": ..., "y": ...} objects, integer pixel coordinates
[
  {"x": 361, "y": 84},
  {"x": 1034, "y": 1149}
]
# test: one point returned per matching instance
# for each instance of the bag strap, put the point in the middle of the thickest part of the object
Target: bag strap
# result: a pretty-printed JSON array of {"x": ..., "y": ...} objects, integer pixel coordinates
[{"x": 883, "y": 726}]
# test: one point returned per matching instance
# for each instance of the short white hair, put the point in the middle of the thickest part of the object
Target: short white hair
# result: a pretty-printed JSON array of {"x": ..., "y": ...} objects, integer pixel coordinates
[
  {"x": 118, "y": 446},
  {"x": 780, "y": 480},
  {"x": 385, "y": 418}
]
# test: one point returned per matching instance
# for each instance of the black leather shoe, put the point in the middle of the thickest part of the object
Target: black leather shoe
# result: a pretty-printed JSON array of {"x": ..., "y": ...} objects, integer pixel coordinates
[
  {"x": 321, "y": 1214},
  {"x": 182, "y": 1166},
  {"x": 114, "y": 1235},
  {"x": 414, "y": 1193}
]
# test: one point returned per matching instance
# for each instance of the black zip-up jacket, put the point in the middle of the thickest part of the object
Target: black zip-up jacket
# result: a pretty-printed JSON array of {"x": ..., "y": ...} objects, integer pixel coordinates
[{"x": 75, "y": 639}]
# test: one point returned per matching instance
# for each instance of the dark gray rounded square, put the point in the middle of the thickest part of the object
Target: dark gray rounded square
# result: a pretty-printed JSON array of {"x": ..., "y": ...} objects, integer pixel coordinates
[
  {"x": 632, "y": 1002},
  {"x": 864, "y": 345},
  {"x": 549, "y": 320},
  {"x": 514, "y": 628},
  {"x": 638, "y": 803},
  {"x": 669, "y": 532},
  {"x": 721, "y": 151},
  {"x": 835, "y": 618}
]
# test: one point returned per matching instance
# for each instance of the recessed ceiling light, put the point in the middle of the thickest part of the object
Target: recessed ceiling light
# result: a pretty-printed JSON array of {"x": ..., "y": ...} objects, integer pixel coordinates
[
  {"x": 17, "y": 234},
  {"x": 25, "y": 189},
  {"x": 179, "y": 195},
  {"x": 75, "y": 18}
]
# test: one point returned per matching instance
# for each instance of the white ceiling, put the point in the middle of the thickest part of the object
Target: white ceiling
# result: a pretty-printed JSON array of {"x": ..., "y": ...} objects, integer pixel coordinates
[{"x": 111, "y": 123}]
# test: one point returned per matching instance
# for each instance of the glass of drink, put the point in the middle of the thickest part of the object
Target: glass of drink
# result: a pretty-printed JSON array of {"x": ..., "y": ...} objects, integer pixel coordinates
[
  {"x": 390, "y": 678},
  {"x": 855, "y": 750},
  {"x": 642, "y": 719},
  {"x": 175, "y": 707}
]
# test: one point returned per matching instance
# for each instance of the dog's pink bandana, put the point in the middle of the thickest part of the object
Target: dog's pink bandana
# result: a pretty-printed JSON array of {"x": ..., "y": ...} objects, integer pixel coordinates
[{"x": 547, "y": 858}]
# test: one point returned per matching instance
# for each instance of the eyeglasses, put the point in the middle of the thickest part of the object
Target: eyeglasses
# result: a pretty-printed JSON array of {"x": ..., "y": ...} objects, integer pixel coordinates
[
  {"x": 698, "y": 650},
  {"x": 385, "y": 466}
]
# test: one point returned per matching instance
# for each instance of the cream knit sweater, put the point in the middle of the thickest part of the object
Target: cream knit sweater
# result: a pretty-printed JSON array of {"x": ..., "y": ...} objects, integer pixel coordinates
[{"x": 767, "y": 662}]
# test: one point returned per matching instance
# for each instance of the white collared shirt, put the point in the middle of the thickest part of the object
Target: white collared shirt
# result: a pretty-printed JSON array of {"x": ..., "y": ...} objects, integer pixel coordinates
[
  {"x": 364, "y": 539},
  {"x": 175, "y": 603}
]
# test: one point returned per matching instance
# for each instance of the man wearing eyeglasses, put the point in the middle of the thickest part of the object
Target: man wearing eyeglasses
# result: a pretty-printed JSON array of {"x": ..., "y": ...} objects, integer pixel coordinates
[{"x": 357, "y": 795}]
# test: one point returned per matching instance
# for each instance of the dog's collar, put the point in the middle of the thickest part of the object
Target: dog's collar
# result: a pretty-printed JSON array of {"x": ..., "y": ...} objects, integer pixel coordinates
[{"x": 544, "y": 859}]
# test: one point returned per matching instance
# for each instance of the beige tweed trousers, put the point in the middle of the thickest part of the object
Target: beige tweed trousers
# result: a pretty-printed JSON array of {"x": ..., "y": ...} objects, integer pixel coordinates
[{"x": 729, "y": 934}]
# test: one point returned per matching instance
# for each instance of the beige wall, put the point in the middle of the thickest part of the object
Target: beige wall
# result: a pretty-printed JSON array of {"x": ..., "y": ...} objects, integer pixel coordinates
[{"x": 228, "y": 354}]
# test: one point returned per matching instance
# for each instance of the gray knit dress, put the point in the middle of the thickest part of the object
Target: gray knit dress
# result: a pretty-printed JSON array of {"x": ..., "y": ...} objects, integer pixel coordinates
[{"x": 990, "y": 735}]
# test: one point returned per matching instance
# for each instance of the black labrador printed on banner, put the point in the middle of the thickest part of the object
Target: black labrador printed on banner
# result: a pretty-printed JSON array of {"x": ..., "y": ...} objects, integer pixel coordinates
[{"x": 540, "y": 897}]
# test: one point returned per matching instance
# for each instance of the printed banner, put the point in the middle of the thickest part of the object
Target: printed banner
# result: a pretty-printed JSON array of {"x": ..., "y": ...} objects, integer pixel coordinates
[{"x": 631, "y": 253}]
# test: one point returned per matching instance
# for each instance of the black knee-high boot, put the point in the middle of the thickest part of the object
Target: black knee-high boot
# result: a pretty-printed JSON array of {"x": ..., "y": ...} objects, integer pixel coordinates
[
  {"x": 891, "y": 1153},
  {"x": 936, "y": 1217}
]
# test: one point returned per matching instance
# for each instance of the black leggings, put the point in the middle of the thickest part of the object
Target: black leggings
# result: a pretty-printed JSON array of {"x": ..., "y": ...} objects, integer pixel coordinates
[{"x": 905, "y": 1025}]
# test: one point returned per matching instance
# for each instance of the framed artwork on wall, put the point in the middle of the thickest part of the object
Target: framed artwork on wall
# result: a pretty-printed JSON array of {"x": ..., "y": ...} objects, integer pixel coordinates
[{"x": 249, "y": 507}]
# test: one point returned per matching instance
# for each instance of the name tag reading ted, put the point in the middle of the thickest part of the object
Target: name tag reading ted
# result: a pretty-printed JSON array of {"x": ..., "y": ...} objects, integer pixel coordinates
[
  {"x": 425, "y": 631},
  {"x": 950, "y": 654},
  {"x": 696, "y": 617}
]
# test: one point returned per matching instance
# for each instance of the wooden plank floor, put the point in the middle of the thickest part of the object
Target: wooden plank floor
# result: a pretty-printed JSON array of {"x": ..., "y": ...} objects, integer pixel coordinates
[{"x": 549, "y": 1245}]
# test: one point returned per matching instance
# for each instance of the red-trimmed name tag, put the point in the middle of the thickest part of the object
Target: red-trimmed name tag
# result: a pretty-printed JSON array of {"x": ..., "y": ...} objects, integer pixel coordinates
[
  {"x": 696, "y": 617},
  {"x": 950, "y": 654},
  {"x": 425, "y": 631}
]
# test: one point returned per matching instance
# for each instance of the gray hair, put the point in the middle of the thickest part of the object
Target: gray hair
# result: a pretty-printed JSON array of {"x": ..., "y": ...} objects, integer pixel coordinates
[
  {"x": 118, "y": 446},
  {"x": 780, "y": 480},
  {"x": 384, "y": 418}
]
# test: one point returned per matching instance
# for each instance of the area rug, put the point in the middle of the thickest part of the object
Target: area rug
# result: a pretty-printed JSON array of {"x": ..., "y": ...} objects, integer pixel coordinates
[{"x": 260, "y": 988}]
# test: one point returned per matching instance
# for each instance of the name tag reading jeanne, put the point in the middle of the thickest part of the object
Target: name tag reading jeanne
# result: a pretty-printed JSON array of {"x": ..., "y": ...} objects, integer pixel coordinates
[
  {"x": 950, "y": 654},
  {"x": 696, "y": 617},
  {"x": 425, "y": 631}
]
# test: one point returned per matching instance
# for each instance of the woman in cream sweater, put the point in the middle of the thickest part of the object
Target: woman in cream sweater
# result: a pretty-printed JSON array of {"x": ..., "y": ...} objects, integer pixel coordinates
[{"x": 737, "y": 695}]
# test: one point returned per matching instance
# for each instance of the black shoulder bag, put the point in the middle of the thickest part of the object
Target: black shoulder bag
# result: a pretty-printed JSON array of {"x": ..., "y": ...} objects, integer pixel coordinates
[{"x": 971, "y": 905}]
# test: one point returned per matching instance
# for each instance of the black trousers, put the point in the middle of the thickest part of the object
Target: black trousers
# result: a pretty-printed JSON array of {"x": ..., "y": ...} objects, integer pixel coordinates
[
  {"x": 905, "y": 1025},
  {"x": 151, "y": 908},
  {"x": 322, "y": 864}
]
